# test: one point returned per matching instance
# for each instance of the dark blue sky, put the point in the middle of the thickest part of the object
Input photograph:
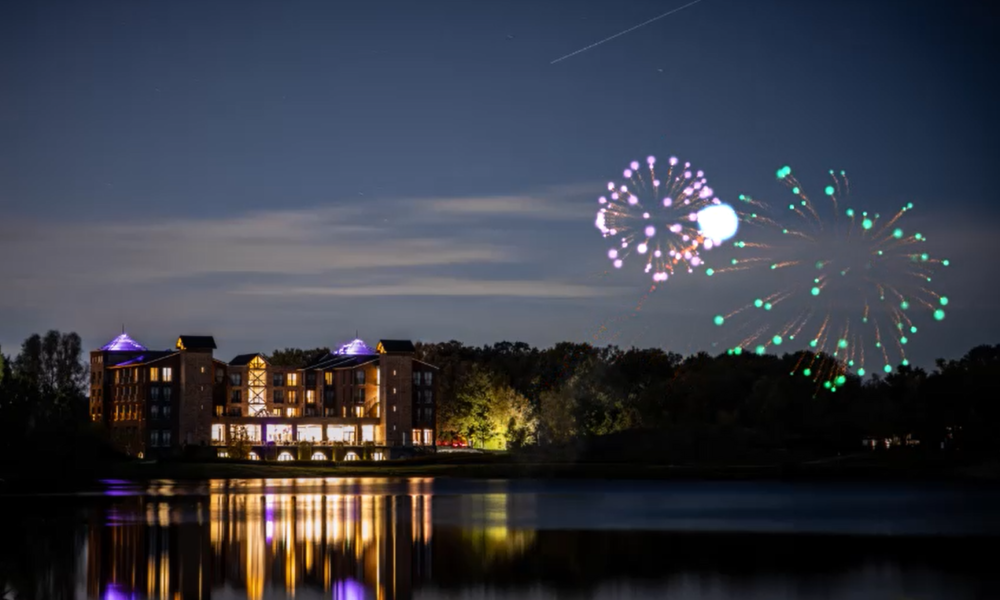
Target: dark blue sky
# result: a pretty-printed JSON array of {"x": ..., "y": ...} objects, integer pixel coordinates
[{"x": 284, "y": 173}]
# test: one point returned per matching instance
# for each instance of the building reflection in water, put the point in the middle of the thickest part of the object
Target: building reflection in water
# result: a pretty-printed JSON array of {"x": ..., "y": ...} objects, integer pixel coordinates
[{"x": 279, "y": 538}]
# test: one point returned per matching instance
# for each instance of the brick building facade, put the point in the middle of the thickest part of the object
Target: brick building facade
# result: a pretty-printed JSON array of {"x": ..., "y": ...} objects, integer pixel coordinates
[{"x": 353, "y": 404}]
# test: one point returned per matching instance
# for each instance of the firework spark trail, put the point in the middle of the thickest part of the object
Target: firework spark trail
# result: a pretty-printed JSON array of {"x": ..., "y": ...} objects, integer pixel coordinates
[
  {"x": 629, "y": 30},
  {"x": 656, "y": 220},
  {"x": 861, "y": 263}
]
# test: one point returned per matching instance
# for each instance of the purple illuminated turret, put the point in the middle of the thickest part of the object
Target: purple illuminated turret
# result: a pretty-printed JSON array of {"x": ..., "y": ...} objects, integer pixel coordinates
[
  {"x": 356, "y": 348},
  {"x": 123, "y": 343}
]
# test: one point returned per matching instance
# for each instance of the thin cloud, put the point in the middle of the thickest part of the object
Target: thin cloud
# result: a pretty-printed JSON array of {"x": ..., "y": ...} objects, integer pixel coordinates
[{"x": 444, "y": 287}]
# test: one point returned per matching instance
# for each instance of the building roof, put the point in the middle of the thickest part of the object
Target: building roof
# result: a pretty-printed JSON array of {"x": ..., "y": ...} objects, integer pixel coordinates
[
  {"x": 144, "y": 358},
  {"x": 244, "y": 359},
  {"x": 196, "y": 342},
  {"x": 341, "y": 361},
  {"x": 123, "y": 343},
  {"x": 393, "y": 346},
  {"x": 355, "y": 348}
]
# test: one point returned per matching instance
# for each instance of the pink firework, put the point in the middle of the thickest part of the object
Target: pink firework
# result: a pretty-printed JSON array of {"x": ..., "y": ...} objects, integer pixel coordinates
[{"x": 652, "y": 217}]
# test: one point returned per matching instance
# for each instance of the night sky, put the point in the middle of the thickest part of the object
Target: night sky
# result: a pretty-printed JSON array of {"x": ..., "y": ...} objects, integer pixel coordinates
[{"x": 286, "y": 173}]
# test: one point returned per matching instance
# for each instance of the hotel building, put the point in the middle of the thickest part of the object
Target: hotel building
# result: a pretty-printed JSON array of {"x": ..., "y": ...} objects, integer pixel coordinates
[{"x": 358, "y": 403}]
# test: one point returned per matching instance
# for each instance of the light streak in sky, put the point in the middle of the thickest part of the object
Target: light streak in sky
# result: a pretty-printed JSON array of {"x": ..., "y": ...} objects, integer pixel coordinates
[{"x": 629, "y": 30}]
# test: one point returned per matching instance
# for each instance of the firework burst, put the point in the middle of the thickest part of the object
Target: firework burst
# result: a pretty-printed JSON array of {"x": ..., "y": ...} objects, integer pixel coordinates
[
  {"x": 653, "y": 217},
  {"x": 860, "y": 283}
]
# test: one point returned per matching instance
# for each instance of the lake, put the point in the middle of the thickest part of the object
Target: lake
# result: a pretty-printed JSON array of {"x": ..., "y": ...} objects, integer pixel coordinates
[{"x": 423, "y": 538}]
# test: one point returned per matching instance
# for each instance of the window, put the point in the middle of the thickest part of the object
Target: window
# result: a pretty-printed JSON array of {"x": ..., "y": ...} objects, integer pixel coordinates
[
  {"x": 416, "y": 437},
  {"x": 202, "y": 369},
  {"x": 293, "y": 396},
  {"x": 393, "y": 391},
  {"x": 394, "y": 372},
  {"x": 359, "y": 377},
  {"x": 351, "y": 456},
  {"x": 154, "y": 439},
  {"x": 428, "y": 437},
  {"x": 236, "y": 396},
  {"x": 154, "y": 393},
  {"x": 154, "y": 374},
  {"x": 310, "y": 396},
  {"x": 167, "y": 393},
  {"x": 416, "y": 378},
  {"x": 220, "y": 375},
  {"x": 378, "y": 456},
  {"x": 165, "y": 438},
  {"x": 359, "y": 411},
  {"x": 328, "y": 377},
  {"x": 428, "y": 378},
  {"x": 367, "y": 433},
  {"x": 254, "y": 456},
  {"x": 285, "y": 457},
  {"x": 359, "y": 396},
  {"x": 293, "y": 379},
  {"x": 166, "y": 411},
  {"x": 168, "y": 374},
  {"x": 311, "y": 379},
  {"x": 278, "y": 396},
  {"x": 154, "y": 411},
  {"x": 291, "y": 412},
  {"x": 278, "y": 380},
  {"x": 236, "y": 379},
  {"x": 219, "y": 410},
  {"x": 318, "y": 456},
  {"x": 329, "y": 397}
]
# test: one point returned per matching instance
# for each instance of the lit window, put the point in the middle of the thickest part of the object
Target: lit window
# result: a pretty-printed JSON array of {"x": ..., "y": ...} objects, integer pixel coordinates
[
  {"x": 223, "y": 454},
  {"x": 285, "y": 457},
  {"x": 318, "y": 456},
  {"x": 293, "y": 379},
  {"x": 328, "y": 377},
  {"x": 428, "y": 437},
  {"x": 154, "y": 374},
  {"x": 351, "y": 456},
  {"x": 416, "y": 437},
  {"x": 359, "y": 411},
  {"x": 310, "y": 396},
  {"x": 254, "y": 456},
  {"x": 292, "y": 412},
  {"x": 394, "y": 372},
  {"x": 293, "y": 396},
  {"x": 394, "y": 391},
  {"x": 378, "y": 456},
  {"x": 367, "y": 433},
  {"x": 168, "y": 374},
  {"x": 203, "y": 369}
]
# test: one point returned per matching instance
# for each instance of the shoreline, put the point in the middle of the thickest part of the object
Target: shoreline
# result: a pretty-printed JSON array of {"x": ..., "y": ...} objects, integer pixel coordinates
[{"x": 859, "y": 469}]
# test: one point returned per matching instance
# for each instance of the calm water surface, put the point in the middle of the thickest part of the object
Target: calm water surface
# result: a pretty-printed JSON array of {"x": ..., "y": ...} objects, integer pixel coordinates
[{"x": 361, "y": 539}]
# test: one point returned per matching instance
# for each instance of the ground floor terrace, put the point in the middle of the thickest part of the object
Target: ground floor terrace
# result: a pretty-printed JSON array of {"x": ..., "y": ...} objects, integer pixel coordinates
[{"x": 316, "y": 438}]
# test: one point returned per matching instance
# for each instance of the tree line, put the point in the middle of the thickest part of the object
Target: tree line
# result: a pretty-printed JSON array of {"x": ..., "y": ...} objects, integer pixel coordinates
[{"x": 512, "y": 395}]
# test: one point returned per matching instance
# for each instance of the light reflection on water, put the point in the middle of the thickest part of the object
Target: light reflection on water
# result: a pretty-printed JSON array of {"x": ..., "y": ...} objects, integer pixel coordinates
[{"x": 375, "y": 539}]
